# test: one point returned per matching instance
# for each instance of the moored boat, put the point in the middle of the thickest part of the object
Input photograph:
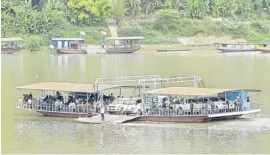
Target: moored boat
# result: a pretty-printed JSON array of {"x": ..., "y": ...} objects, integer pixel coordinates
[
  {"x": 236, "y": 47},
  {"x": 124, "y": 45},
  {"x": 264, "y": 49},
  {"x": 69, "y": 45},
  {"x": 10, "y": 45},
  {"x": 172, "y": 50}
]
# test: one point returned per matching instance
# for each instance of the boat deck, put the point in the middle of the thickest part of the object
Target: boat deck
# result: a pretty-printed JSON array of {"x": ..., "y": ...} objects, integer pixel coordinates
[{"x": 109, "y": 119}]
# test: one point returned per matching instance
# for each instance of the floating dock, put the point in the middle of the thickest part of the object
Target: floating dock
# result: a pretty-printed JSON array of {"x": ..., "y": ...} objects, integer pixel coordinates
[{"x": 109, "y": 119}]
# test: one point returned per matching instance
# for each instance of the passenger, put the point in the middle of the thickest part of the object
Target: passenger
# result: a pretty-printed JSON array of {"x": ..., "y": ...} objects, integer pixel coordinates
[
  {"x": 72, "y": 106},
  {"x": 58, "y": 94},
  {"x": 102, "y": 110},
  {"x": 29, "y": 101},
  {"x": 25, "y": 98},
  {"x": 34, "y": 102},
  {"x": 163, "y": 103},
  {"x": 80, "y": 107},
  {"x": 182, "y": 101},
  {"x": 30, "y": 96},
  {"x": 175, "y": 100}
]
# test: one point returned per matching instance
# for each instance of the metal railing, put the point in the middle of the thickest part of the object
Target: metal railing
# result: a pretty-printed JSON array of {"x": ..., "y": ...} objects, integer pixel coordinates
[
  {"x": 197, "y": 112},
  {"x": 196, "y": 79},
  {"x": 55, "y": 108},
  {"x": 117, "y": 80}
]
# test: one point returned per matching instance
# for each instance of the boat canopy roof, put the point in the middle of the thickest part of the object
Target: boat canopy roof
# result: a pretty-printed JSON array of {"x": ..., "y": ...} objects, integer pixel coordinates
[
  {"x": 68, "y": 39},
  {"x": 191, "y": 91},
  {"x": 66, "y": 87},
  {"x": 11, "y": 39},
  {"x": 125, "y": 38},
  {"x": 130, "y": 86}
]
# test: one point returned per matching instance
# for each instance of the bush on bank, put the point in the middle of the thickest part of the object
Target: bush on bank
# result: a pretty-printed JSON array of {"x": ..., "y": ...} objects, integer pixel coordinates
[{"x": 165, "y": 27}]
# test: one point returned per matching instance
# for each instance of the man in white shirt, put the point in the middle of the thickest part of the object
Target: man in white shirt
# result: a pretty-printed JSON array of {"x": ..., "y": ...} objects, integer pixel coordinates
[{"x": 102, "y": 110}]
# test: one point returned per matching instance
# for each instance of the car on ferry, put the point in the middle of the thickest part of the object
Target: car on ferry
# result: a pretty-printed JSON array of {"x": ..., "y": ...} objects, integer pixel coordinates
[
  {"x": 134, "y": 106},
  {"x": 117, "y": 106}
]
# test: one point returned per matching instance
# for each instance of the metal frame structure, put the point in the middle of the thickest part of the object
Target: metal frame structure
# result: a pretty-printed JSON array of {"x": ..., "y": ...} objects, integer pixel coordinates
[
  {"x": 121, "y": 80},
  {"x": 146, "y": 80}
]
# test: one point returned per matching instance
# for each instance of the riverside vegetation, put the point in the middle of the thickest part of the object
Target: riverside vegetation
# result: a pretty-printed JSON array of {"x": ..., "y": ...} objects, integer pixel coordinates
[{"x": 159, "y": 21}]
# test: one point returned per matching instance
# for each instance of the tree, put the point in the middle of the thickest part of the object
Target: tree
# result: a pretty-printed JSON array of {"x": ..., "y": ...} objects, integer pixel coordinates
[
  {"x": 118, "y": 10},
  {"x": 87, "y": 11},
  {"x": 197, "y": 8},
  {"x": 150, "y": 6},
  {"x": 167, "y": 19},
  {"x": 133, "y": 7}
]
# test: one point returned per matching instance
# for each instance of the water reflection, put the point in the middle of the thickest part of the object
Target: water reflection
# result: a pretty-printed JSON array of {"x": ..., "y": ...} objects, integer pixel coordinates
[
  {"x": 221, "y": 137},
  {"x": 121, "y": 64}
]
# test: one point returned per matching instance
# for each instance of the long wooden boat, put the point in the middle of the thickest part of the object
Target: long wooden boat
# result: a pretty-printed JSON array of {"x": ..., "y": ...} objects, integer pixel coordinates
[
  {"x": 196, "y": 108},
  {"x": 70, "y": 51},
  {"x": 172, "y": 50},
  {"x": 124, "y": 45},
  {"x": 10, "y": 45},
  {"x": 236, "y": 47},
  {"x": 263, "y": 49},
  {"x": 68, "y": 45}
]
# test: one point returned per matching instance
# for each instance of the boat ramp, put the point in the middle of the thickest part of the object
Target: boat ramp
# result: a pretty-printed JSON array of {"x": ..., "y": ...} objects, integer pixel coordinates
[{"x": 109, "y": 119}]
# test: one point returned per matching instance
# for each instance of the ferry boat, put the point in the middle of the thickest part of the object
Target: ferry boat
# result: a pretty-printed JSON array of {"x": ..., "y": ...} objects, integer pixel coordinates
[
  {"x": 124, "y": 45},
  {"x": 198, "y": 104},
  {"x": 68, "y": 45},
  {"x": 236, "y": 47},
  {"x": 10, "y": 45}
]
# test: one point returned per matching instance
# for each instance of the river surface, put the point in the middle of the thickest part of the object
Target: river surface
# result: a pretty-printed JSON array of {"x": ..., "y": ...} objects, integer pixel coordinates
[{"x": 28, "y": 132}]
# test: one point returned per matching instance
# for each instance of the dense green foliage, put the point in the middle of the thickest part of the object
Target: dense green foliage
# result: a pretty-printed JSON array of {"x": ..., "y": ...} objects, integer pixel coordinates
[{"x": 160, "y": 21}]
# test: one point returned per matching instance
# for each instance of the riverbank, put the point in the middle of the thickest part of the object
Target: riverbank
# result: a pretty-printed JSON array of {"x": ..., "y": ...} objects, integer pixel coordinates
[{"x": 188, "y": 33}]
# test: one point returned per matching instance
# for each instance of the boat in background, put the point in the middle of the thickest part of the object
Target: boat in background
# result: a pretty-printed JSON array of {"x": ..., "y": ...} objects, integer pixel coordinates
[
  {"x": 10, "y": 45},
  {"x": 172, "y": 50},
  {"x": 236, "y": 47},
  {"x": 264, "y": 48},
  {"x": 69, "y": 45},
  {"x": 124, "y": 45}
]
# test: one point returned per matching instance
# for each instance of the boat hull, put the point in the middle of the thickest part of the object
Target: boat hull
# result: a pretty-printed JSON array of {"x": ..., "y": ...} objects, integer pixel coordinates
[
  {"x": 120, "y": 51},
  {"x": 70, "y": 51},
  {"x": 64, "y": 114},
  {"x": 197, "y": 118},
  {"x": 236, "y": 50},
  {"x": 172, "y": 50},
  {"x": 173, "y": 118},
  {"x": 9, "y": 51}
]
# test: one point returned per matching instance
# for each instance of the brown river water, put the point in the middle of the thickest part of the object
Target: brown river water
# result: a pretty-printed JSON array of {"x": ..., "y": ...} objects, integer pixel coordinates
[{"x": 28, "y": 132}]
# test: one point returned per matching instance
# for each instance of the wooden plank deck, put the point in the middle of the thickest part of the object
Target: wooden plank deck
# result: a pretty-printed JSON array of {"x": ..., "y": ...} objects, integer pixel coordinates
[{"x": 109, "y": 119}]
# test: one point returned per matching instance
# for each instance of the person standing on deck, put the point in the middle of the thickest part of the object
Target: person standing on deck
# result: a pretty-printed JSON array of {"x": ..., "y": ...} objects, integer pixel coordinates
[
  {"x": 103, "y": 38},
  {"x": 102, "y": 110}
]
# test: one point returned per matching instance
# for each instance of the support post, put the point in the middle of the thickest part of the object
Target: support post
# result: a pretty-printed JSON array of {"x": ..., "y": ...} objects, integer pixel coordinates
[
  {"x": 87, "y": 107},
  {"x": 18, "y": 94},
  {"x": 120, "y": 91}
]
